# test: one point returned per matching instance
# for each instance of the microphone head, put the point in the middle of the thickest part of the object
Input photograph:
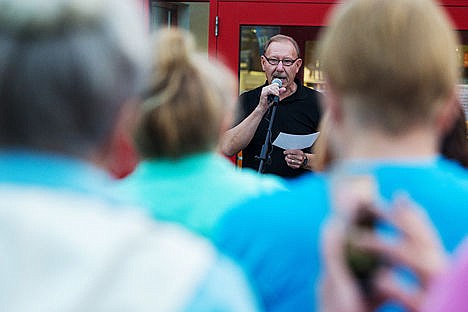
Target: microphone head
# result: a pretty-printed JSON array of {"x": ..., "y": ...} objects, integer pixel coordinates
[{"x": 278, "y": 81}]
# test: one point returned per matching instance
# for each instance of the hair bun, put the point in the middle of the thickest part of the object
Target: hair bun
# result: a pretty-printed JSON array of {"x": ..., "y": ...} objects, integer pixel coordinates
[{"x": 174, "y": 47}]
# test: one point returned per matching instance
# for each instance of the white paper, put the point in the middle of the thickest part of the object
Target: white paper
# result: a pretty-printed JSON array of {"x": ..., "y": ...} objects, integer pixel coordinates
[{"x": 295, "y": 141}]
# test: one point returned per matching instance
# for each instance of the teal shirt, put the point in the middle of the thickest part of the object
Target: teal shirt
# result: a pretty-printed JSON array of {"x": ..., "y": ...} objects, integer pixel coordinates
[{"x": 194, "y": 191}]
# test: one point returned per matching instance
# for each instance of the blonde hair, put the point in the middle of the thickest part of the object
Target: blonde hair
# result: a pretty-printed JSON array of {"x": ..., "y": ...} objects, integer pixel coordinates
[
  {"x": 324, "y": 155},
  {"x": 392, "y": 61},
  {"x": 189, "y": 97}
]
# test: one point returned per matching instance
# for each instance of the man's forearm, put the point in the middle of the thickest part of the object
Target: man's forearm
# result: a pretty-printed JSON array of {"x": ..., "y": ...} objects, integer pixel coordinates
[{"x": 237, "y": 138}]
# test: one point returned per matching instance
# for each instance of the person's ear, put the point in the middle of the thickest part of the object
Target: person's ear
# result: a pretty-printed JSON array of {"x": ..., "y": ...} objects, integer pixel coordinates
[
  {"x": 298, "y": 65},
  {"x": 120, "y": 156},
  {"x": 263, "y": 62},
  {"x": 447, "y": 114},
  {"x": 331, "y": 103}
]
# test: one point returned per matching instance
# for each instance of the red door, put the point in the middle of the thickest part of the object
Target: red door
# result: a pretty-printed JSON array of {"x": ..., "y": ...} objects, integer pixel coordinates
[
  {"x": 228, "y": 17},
  {"x": 298, "y": 18},
  {"x": 238, "y": 30},
  {"x": 235, "y": 34}
]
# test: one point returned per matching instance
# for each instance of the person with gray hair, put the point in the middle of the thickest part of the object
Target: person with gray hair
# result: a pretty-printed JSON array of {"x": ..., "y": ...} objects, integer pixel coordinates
[{"x": 70, "y": 70}]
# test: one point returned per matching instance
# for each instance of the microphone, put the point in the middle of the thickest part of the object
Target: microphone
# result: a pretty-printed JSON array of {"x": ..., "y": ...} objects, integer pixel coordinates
[
  {"x": 280, "y": 84},
  {"x": 264, "y": 156}
]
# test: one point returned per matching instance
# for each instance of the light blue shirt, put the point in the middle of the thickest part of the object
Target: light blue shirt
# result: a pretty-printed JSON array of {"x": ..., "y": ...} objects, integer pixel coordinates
[
  {"x": 68, "y": 244},
  {"x": 194, "y": 191},
  {"x": 276, "y": 238}
]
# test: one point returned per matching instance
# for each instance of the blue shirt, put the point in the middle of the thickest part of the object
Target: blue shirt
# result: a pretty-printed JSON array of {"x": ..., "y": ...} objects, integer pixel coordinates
[{"x": 276, "y": 238}]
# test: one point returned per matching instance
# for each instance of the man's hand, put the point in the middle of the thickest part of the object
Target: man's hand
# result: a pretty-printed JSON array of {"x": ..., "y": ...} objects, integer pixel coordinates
[
  {"x": 267, "y": 91},
  {"x": 338, "y": 290},
  {"x": 297, "y": 159}
]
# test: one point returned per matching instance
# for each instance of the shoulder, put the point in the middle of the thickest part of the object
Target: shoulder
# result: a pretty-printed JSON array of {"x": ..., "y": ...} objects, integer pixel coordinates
[
  {"x": 273, "y": 233},
  {"x": 454, "y": 168},
  {"x": 275, "y": 221},
  {"x": 441, "y": 175},
  {"x": 232, "y": 286},
  {"x": 254, "y": 93},
  {"x": 247, "y": 181},
  {"x": 248, "y": 100},
  {"x": 255, "y": 183},
  {"x": 440, "y": 187},
  {"x": 300, "y": 202},
  {"x": 93, "y": 241},
  {"x": 309, "y": 92},
  {"x": 313, "y": 99}
]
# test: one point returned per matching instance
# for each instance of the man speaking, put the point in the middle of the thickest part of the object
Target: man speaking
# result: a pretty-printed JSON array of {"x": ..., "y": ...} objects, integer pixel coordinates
[{"x": 297, "y": 112}]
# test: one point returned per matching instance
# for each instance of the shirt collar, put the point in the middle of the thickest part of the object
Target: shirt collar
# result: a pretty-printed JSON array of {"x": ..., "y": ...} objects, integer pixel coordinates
[
  {"x": 51, "y": 170},
  {"x": 298, "y": 95}
]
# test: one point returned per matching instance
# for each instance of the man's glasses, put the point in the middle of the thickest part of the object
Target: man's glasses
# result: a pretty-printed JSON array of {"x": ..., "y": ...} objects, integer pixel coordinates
[{"x": 275, "y": 61}]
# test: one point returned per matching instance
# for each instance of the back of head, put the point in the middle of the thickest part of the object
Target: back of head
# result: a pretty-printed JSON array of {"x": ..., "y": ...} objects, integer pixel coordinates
[
  {"x": 189, "y": 99},
  {"x": 67, "y": 66},
  {"x": 393, "y": 61}
]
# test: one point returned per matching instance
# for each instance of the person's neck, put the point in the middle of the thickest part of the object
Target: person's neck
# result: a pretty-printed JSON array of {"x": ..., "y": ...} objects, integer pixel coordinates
[
  {"x": 369, "y": 144},
  {"x": 289, "y": 90}
]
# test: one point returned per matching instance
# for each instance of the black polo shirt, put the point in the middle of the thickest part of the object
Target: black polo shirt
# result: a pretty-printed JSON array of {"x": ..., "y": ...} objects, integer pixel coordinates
[{"x": 299, "y": 113}]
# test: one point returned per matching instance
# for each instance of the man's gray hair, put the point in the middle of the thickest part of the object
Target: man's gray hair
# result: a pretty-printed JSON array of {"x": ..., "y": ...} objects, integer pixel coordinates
[{"x": 66, "y": 68}]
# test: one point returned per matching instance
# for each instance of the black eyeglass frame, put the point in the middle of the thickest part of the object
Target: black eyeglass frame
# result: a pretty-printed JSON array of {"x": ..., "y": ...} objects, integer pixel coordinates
[{"x": 276, "y": 61}]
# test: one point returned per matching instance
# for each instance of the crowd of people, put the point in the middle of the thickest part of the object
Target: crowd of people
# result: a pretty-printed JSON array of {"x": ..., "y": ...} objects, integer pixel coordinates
[
  {"x": 71, "y": 74},
  {"x": 181, "y": 176},
  {"x": 372, "y": 217}
]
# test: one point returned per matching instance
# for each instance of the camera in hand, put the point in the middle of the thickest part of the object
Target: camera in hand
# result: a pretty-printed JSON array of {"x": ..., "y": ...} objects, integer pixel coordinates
[{"x": 363, "y": 264}]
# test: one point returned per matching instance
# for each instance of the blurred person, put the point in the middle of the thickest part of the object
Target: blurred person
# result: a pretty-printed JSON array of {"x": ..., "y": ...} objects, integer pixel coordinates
[
  {"x": 298, "y": 112},
  {"x": 182, "y": 178},
  {"x": 442, "y": 281},
  {"x": 454, "y": 144},
  {"x": 71, "y": 70},
  {"x": 389, "y": 108},
  {"x": 447, "y": 292},
  {"x": 323, "y": 155}
]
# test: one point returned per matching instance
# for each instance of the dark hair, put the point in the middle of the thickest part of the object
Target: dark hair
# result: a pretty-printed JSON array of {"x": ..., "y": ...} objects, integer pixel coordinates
[{"x": 455, "y": 142}]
